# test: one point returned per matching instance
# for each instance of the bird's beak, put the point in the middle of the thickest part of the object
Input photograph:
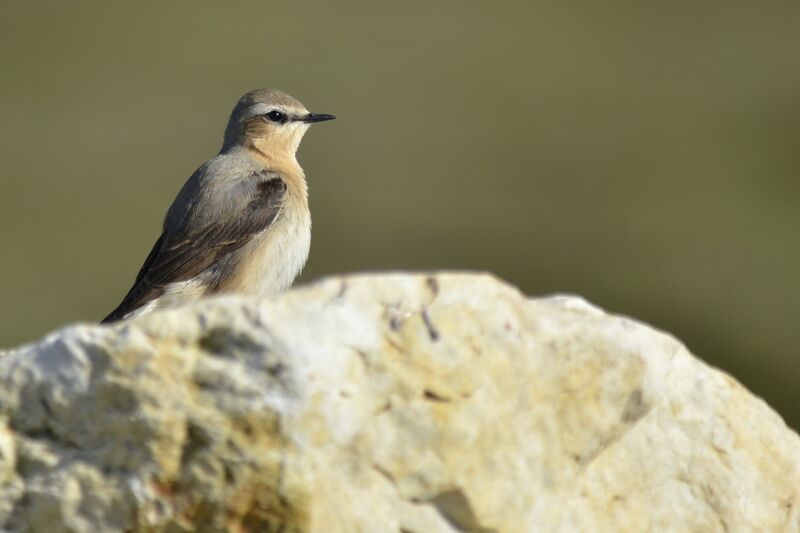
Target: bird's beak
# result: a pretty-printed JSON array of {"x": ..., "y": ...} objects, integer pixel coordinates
[{"x": 316, "y": 117}]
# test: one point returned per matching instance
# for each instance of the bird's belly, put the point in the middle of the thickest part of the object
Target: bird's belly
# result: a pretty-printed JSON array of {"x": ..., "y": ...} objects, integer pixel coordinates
[{"x": 275, "y": 258}]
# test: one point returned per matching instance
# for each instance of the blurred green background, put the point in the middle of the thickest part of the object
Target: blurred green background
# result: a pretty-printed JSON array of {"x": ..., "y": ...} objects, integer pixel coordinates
[{"x": 643, "y": 155}]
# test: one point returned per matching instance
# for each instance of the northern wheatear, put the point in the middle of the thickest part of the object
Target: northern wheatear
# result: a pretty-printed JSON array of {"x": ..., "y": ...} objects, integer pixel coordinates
[{"x": 240, "y": 224}]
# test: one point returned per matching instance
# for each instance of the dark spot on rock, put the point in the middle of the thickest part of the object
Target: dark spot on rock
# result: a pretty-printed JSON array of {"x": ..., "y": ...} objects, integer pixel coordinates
[
  {"x": 455, "y": 507},
  {"x": 224, "y": 342},
  {"x": 276, "y": 370},
  {"x": 429, "y": 325},
  {"x": 384, "y": 472},
  {"x": 395, "y": 323},
  {"x": 635, "y": 407},
  {"x": 118, "y": 399},
  {"x": 342, "y": 290},
  {"x": 196, "y": 440},
  {"x": 164, "y": 489},
  {"x": 229, "y": 475},
  {"x": 432, "y": 396},
  {"x": 46, "y": 406},
  {"x": 433, "y": 285}
]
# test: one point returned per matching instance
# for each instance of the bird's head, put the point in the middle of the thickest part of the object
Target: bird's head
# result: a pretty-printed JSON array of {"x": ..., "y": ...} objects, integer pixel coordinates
[{"x": 271, "y": 122}]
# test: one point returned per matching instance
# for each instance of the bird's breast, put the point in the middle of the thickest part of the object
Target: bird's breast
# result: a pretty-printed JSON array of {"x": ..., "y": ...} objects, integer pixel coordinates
[{"x": 273, "y": 259}]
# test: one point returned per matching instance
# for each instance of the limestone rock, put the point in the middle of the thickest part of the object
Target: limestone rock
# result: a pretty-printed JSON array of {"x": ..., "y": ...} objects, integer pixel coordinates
[{"x": 389, "y": 403}]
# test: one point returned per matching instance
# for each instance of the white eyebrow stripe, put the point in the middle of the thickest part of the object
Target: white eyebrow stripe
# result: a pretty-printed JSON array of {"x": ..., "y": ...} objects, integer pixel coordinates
[{"x": 258, "y": 109}]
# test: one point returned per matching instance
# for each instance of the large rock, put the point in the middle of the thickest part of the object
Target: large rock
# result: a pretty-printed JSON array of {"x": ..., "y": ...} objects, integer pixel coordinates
[{"x": 395, "y": 403}]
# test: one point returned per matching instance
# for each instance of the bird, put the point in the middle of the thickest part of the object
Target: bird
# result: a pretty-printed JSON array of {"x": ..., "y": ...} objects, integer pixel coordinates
[{"x": 241, "y": 223}]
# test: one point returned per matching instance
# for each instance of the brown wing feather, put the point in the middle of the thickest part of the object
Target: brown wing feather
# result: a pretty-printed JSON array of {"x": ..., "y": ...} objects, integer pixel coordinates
[{"x": 184, "y": 256}]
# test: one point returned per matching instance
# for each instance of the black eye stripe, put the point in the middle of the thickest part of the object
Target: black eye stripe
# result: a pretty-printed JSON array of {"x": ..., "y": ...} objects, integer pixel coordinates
[{"x": 276, "y": 116}]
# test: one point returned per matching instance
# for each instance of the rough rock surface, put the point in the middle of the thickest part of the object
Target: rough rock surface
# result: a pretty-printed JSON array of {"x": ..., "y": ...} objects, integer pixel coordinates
[{"x": 390, "y": 403}]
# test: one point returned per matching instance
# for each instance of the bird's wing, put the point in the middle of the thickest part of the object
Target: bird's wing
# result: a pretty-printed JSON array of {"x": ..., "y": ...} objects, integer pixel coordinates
[{"x": 250, "y": 208}]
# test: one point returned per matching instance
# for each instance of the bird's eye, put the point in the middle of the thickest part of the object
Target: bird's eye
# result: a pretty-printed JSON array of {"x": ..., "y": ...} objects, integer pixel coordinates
[{"x": 276, "y": 116}]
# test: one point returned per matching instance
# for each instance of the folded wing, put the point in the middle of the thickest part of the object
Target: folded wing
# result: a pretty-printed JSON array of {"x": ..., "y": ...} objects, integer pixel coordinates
[{"x": 249, "y": 209}]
